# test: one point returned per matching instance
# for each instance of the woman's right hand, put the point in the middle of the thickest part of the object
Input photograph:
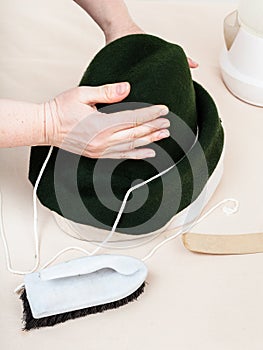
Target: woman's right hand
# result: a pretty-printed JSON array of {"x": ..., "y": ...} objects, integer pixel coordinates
[{"x": 73, "y": 123}]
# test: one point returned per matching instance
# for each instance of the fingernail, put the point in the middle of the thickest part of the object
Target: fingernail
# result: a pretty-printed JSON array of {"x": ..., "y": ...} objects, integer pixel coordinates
[
  {"x": 164, "y": 111},
  {"x": 122, "y": 88},
  {"x": 165, "y": 124},
  {"x": 164, "y": 133},
  {"x": 150, "y": 154},
  {"x": 193, "y": 62}
]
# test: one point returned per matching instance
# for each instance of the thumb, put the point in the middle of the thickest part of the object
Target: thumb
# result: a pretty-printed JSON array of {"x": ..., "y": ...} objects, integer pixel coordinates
[{"x": 109, "y": 93}]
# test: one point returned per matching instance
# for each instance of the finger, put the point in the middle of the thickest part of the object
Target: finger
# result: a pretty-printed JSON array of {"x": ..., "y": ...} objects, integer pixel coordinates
[
  {"x": 131, "y": 134},
  {"x": 142, "y": 141},
  {"x": 130, "y": 119},
  {"x": 109, "y": 93},
  {"x": 192, "y": 64},
  {"x": 134, "y": 154}
]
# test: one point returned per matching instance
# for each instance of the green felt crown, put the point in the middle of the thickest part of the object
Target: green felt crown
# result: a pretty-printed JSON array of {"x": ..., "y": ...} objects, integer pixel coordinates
[{"x": 90, "y": 191}]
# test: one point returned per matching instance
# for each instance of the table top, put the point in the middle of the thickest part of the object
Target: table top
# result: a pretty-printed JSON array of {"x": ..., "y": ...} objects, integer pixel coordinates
[{"x": 191, "y": 301}]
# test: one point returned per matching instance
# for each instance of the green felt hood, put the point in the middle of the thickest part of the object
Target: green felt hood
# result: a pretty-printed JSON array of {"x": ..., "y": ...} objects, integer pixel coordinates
[{"x": 90, "y": 191}]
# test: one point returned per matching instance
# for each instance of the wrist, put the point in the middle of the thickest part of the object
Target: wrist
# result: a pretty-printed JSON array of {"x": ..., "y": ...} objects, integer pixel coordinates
[
  {"x": 22, "y": 124},
  {"x": 117, "y": 30},
  {"x": 47, "y": 112}
]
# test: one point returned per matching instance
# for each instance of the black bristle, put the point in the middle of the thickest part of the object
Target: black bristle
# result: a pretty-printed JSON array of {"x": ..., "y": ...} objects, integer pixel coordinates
[{"x": 29, "y": 322}]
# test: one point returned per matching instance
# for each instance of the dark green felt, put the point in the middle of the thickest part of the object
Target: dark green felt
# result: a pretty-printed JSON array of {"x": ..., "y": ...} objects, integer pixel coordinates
[{"x": 158, "y": 73}]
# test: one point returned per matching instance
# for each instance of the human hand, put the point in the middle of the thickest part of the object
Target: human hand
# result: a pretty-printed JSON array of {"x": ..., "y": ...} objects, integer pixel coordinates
[
  {"x": 114, "y": 19},
  {"x": 74, "y": 124},
  {"x": 119, "y": 31}
]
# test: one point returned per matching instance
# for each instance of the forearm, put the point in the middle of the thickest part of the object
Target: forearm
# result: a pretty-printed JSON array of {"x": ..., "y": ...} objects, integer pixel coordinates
[
  {"x": 111, "y": 15},
  {"x": 21, "y": 123}
]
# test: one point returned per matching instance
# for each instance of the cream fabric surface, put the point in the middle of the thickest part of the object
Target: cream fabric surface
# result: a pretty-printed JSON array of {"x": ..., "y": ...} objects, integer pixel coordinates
[{"x": 192, "y": 301}]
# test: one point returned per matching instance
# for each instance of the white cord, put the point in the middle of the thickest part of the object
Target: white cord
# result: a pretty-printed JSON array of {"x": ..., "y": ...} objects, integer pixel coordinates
[
  {"x": 113, "y": 229},
  {"x": 226, "y": 209},
  {"x": 36, "y": 236}
]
